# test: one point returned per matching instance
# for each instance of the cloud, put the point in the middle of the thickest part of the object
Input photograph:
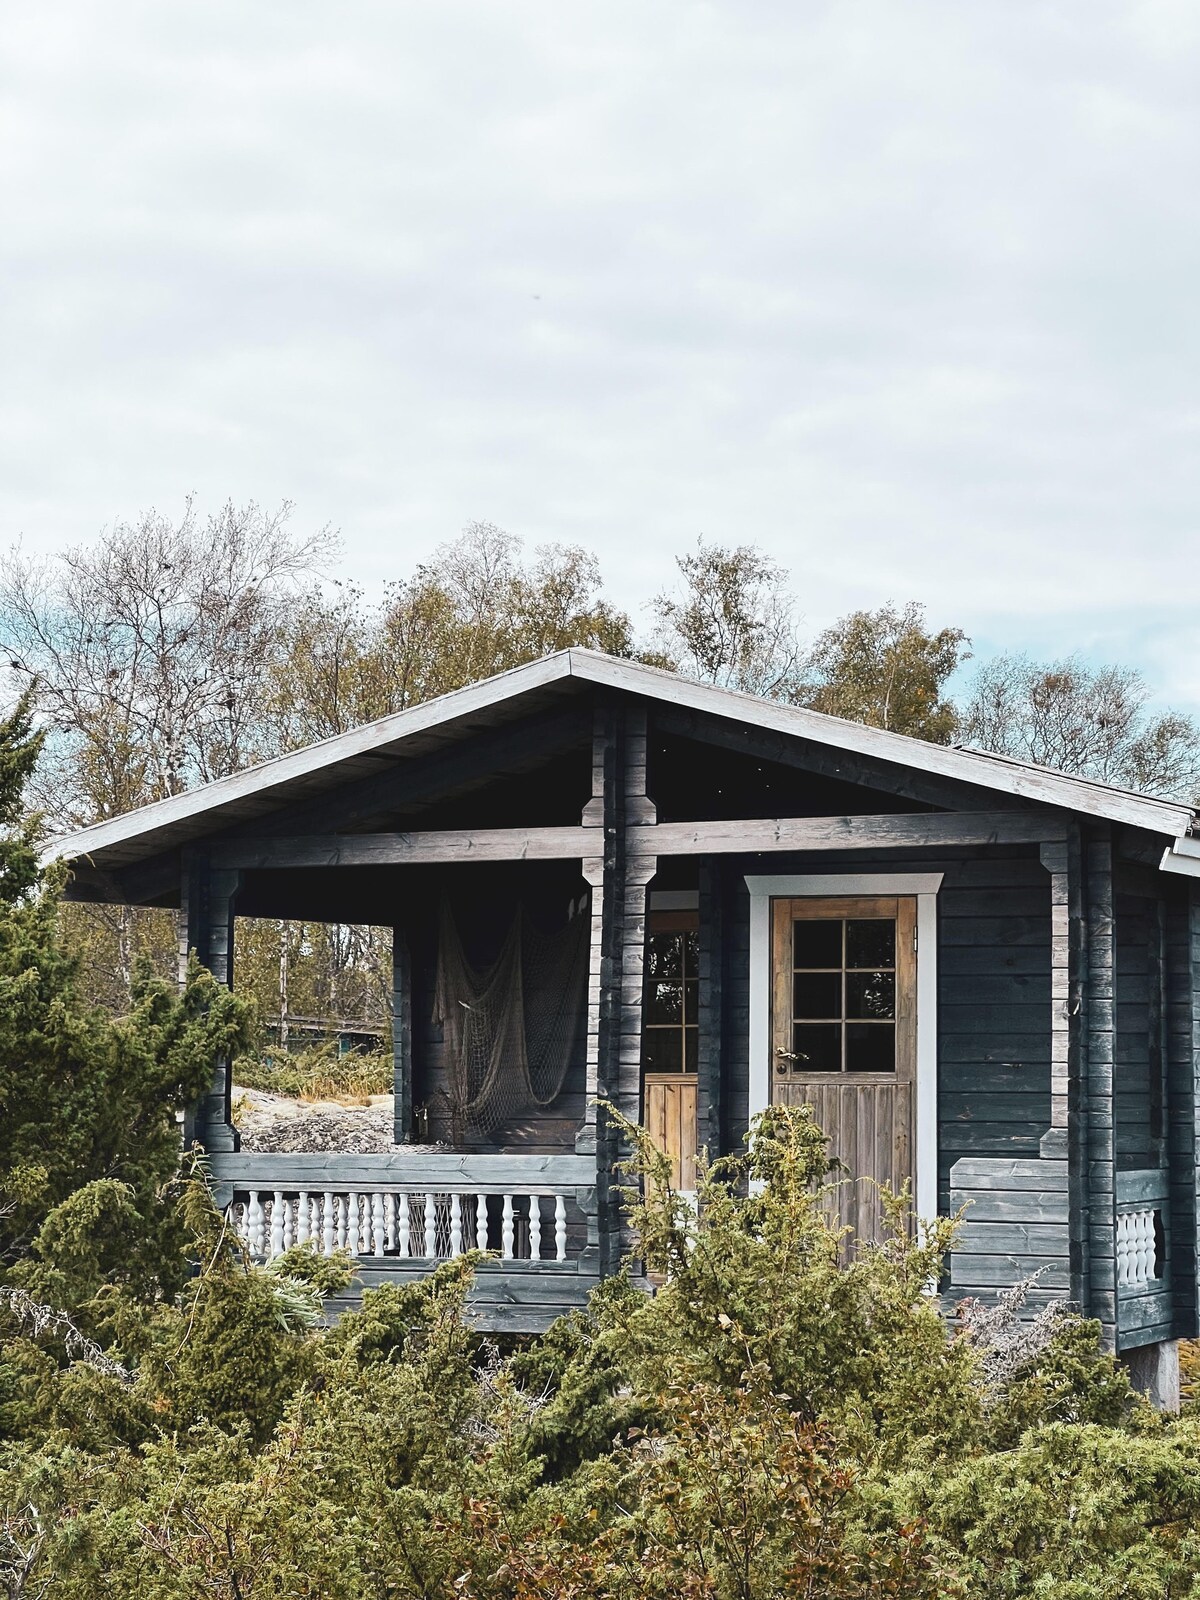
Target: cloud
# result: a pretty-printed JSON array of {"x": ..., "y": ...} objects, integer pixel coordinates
[{"x": 903, "y": 293}]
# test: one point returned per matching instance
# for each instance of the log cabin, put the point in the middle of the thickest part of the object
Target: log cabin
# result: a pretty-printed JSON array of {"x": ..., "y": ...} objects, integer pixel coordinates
[{"x": 604, "y": 880}]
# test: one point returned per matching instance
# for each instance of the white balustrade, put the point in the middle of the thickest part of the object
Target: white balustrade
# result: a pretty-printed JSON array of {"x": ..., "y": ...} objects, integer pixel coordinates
[
  {"x": 506, "y": 1229},
  {"x": 406, "y": 1225},
  {"x": 1137, "y": 1248},
  {"x": 535, "y": 1227}
]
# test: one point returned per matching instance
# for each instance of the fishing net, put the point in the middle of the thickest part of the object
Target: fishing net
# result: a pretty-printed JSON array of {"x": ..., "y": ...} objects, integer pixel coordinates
[{"x": 510, "y": 1029}]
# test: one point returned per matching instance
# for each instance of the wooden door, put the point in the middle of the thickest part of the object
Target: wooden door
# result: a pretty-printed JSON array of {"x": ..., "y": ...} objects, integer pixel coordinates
[
  {"x": 843, "y": 1024},
  {"x": 670, "y": 1041},
  {"x": 670, "y": 1120}
]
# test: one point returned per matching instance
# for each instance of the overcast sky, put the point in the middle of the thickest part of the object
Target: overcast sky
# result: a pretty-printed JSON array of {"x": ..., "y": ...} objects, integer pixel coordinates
[{"x": 905, "y": 293}]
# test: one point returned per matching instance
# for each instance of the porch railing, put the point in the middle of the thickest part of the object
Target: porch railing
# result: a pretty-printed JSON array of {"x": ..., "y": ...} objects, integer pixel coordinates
[
  {"x": 408, "y": 1224},
  {"x": 421, "y": 1208}
]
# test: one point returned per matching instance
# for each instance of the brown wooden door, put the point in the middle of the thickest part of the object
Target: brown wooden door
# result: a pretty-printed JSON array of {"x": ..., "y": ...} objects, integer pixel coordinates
[
  {"x": 670, "y": 1113},
  {"x": 843, "y": 1036},
  {"x": 670, "y": 1038}
]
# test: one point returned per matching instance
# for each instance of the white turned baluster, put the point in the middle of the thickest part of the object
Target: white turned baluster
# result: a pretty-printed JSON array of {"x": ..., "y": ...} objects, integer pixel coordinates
[
  {"x": 289, "y": 1225},
  {"x": 276, "y": 1225},
  {"x": 255, "y": 1227},
  {"x": 402, "y": 1200},
  {"x": 429, "y": 1247},
  {"x": 481, "y": 1222},
  {"x": 455, "y": 1225},
  {"x": 341, "y": 1212},
  {"x": 535, "y": 1227},
  {"x": 378, "y": 1232},
  {"x": 389, "y": 1219},
  {"x": 1136, "y": 1252},
  {"x": 314, "y": 1221},
  {"x": 329, "y": 1225},
  {"x": 302, "y": 1218},
  {"x": 560, "y": 1227},
  {"x": 354, "y": 1227},
  {"x": 506, "y": 1229}
]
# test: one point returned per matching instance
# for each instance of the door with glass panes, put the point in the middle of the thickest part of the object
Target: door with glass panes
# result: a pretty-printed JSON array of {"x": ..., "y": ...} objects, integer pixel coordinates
[
  {"x": 844, "y": 1038},
  {"x": 670, "y": 1035}
]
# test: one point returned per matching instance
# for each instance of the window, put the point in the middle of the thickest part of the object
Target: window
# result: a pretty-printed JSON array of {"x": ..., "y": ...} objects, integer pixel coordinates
[
  {"x": 843, "y": 995},
  {"x": 670, "y": 993}
]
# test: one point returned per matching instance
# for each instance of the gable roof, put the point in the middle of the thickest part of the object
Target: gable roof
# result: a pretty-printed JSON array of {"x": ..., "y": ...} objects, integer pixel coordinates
[{"x": 258, "y": 790}]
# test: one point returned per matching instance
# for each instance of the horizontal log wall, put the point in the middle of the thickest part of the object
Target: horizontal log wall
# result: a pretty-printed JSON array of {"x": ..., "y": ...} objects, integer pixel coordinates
[{"x": 504, "y": 1298}]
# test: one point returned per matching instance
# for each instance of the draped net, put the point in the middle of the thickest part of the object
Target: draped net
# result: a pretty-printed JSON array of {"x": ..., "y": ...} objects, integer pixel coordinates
[{"x": 510, "y": 1028}]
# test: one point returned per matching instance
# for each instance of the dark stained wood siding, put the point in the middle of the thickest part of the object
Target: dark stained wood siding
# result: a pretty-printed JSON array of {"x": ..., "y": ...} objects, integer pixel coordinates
[
  {"x": 1182, "y": 983},
  {"x": 1135, "y": 1089},
  {"x": 994, "y": 1010}
]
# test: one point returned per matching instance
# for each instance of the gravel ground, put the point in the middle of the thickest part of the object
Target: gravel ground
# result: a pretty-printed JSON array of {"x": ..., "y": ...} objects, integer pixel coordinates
[{"x": 274, "y": 1122}]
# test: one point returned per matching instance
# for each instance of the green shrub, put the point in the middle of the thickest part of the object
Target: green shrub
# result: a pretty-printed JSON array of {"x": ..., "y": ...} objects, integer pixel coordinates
[{"x": 317, "y": 1073}]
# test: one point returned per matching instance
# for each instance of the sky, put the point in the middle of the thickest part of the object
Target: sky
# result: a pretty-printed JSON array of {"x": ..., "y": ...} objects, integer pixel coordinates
[{"x": 905, "y": 294}]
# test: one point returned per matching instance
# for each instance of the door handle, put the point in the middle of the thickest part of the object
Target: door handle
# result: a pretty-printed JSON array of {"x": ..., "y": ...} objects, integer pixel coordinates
[{"x": 789, "y": 1055}]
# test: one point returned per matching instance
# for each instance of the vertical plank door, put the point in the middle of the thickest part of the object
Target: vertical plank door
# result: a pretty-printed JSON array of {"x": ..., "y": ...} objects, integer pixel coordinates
[
  {"x": 670, "y": 1120},
  {"x": 843, "y": 1035}
]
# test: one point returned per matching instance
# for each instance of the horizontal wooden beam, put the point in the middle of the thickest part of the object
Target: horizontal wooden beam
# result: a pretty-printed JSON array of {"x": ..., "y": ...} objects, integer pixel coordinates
[
  {"x": 406, "y": 849},
  {"x": 740, "y": 836},
  {"x": 924, "y": 829},
  {"x": 466, "y": 1172}
]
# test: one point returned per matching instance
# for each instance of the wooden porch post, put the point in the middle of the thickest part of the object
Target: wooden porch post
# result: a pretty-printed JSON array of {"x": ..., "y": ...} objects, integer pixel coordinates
[
  {"x": 401, "y": 1037},
  {"x": 618, "y": 875},
  {"x": 1101, "y": 1154},
  {"x": 207, "y": 896},
  {"x": 1066, "y": 1137}
]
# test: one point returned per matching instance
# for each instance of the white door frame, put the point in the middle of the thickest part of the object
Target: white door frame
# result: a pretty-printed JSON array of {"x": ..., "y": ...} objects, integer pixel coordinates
[{"x": 925, "y": 886}]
